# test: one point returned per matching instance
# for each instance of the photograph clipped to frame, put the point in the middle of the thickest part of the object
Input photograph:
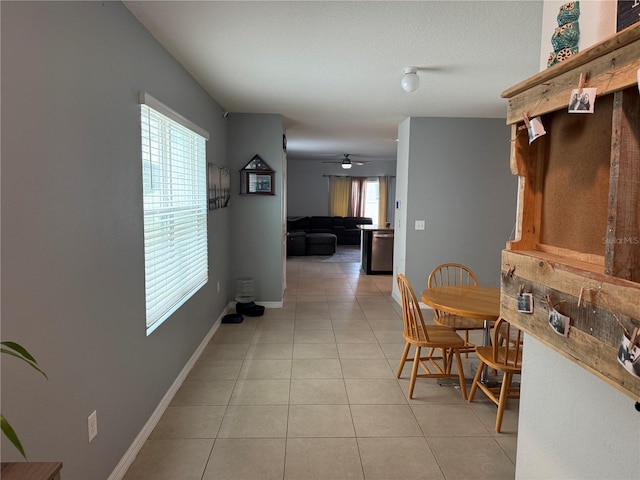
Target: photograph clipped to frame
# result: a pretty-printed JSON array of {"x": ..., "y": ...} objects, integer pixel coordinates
[
  {"x": 629, "y": 353},
  {"x": 582, "y": 100},
  {"x": 559, "y": 323}
]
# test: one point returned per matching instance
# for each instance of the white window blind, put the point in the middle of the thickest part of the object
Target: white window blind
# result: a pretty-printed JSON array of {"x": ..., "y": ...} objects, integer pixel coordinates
[{"x": 175, "y": 209}]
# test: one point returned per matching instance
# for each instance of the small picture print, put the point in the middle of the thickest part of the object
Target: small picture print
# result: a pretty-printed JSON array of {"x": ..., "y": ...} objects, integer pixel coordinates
[
  {"x": 525, "y": 303},
  {"x": 629, "y": 358},
  {"x": 560, "y": 323},
  {"x": 535, "y": 129},
  {"x": 582, "y": 101}
]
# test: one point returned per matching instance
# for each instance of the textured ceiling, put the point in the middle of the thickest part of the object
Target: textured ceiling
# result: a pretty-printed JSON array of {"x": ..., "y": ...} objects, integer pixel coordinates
[{"x": 333, "y": 68}]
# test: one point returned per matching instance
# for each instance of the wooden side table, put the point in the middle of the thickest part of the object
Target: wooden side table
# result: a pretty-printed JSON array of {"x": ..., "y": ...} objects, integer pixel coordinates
[{"x": 30, "y": 470}]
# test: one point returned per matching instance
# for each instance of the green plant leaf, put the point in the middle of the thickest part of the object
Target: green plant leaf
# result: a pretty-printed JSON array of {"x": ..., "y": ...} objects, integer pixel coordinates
[
  {"x": 11, "y": 435},
  {"x": 20, "y": 352},
  {"x": 20, "y": 349},
  {"x": 16, "y": 350}
]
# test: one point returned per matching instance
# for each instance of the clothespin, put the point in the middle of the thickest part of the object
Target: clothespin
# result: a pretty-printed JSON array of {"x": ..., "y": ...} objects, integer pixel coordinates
[
  {"x": 526, "y": 122},
  {"x": 580, "y": 297},
  {"x": 509, "y": 273},
  {"x": 548, "y": 299},
  {"x": 581, "y": 84},
  {"x": 635, "y": 338}
]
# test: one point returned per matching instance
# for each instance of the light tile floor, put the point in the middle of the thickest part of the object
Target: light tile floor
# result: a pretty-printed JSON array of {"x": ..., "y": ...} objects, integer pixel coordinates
[{"x": 309, "y": 392}]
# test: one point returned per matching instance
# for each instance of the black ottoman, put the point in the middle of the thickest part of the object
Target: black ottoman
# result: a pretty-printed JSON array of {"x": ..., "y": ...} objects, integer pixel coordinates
[
  {"x": 296, "y": 244},
  {"x": 321, "y": 243}
]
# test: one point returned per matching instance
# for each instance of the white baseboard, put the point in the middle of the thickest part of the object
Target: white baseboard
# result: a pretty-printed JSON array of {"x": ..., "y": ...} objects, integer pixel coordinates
[
  {"x": 130, "y": 455},
  {"x": 271, "y": 304}
]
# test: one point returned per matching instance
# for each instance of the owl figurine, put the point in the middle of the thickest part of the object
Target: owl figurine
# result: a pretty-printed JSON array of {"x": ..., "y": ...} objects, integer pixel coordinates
[{"x": 566, "y": 36}]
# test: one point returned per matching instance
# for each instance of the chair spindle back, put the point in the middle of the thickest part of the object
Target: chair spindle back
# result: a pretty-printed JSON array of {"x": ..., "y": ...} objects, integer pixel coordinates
[
  {"x": 451, "y": 274},
  {"x": 414, "y": 326},
  {"x": 507, "y": 344}
]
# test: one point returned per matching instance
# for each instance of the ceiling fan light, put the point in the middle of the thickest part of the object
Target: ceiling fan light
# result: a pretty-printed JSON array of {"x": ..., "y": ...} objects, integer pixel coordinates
[
  {"x": 410, "y": 80},
  {"x": 346, "y": 164}
]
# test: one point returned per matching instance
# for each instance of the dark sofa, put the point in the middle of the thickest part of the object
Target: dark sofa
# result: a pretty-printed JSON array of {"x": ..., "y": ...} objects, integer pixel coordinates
[{"x": 344, "y": 228}]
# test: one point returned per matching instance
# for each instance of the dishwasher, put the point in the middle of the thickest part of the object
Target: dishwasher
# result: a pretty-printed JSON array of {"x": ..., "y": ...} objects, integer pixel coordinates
[{"x": 382, "y": 252}]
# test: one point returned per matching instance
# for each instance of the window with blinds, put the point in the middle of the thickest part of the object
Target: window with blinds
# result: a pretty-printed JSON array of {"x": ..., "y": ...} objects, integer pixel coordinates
[{"x": 175, "y": 209}]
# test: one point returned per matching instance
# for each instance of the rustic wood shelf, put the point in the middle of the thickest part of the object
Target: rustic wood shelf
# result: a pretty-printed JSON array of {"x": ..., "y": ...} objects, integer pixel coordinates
[{"x": 578, "y": 218}]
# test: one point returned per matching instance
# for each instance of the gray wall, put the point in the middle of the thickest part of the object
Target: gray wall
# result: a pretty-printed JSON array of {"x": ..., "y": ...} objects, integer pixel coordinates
[
  {"x": 72, "y": 250},
  {"x": 308, "y": 188},
  {"x": 571, "y": 423},
  {"x": 454, "y": 174},
  {"x": 257, "y": 225}
]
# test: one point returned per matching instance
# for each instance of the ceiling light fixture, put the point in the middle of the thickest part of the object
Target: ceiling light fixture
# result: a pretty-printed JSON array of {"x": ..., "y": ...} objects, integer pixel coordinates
[
  {"x": 346, "y": 164},
  {"x": 410, "y": 80}
]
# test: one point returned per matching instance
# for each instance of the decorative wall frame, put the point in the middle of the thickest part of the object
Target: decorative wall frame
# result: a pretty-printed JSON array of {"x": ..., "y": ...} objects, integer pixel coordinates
[
  {"x": 577, "y": 235},
  {"x": 257, "y": 178},
  {"x": 219, "y": 190},
  {"x": 628, "y": 13}
]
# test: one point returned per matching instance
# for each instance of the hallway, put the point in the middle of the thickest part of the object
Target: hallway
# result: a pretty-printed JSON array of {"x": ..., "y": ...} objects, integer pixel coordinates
[{"x": 309, "y": 392}]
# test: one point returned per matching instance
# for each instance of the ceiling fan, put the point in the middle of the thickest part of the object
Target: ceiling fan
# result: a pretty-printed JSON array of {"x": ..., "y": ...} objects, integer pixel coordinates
[{"x": 346, "y": 162}]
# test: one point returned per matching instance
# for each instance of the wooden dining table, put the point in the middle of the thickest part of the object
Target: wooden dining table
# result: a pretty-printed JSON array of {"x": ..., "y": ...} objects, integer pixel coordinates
[
  {"x": 471, "y": 301},
  {"x": 468, "y": 301}
]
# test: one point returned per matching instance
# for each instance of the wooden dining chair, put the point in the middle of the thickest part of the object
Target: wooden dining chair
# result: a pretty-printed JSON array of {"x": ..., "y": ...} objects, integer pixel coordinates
[
  {"x": 455, "y": 274},
  {"x": 442, "y": 343},
  {"x": 505, "y": 355}
]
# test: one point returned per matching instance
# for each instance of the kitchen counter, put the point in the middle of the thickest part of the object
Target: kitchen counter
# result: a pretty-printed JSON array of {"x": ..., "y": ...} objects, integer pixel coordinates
[{"x": 376, "y": 250}]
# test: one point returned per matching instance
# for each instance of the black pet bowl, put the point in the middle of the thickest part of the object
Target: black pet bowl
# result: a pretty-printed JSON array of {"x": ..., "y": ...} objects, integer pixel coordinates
[
  {"x": 250, "y": 309},
  {"x": 232, "y": 318}
]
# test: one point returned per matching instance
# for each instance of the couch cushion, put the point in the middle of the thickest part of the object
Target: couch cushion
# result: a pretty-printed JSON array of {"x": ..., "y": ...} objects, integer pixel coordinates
[
  {"x": 300, "y": 224},
  {"x": 296, "y": 243},
  {"x": 321, "y": 244},
  {"x": 352, "y": 222},
  {"x": 321, "y": 224},
  {"x": 318, "y": 238}
]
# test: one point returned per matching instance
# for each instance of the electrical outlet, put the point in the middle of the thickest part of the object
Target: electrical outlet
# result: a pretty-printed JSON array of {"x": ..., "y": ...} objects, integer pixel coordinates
[
  {"x": 92, "y": 423},
  {"x": 420, "y": 224}
]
